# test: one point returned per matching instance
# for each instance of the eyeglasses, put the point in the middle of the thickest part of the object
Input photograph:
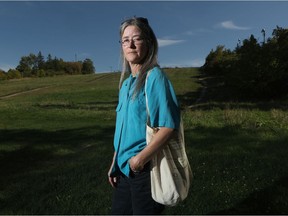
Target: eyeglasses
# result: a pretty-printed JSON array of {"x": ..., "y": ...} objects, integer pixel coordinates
[{"x": 135, "y": 40}]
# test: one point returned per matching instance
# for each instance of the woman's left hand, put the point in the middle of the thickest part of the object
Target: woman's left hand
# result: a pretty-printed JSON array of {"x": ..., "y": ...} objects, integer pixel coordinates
[
  {"x": 135, "y": 164},
  {"x": 159, "y": 140}
]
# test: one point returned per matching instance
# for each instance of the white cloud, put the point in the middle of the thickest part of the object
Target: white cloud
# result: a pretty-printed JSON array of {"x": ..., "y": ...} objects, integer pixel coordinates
[
  {"x": 166, "y": 42},
  {"x": 231, "y": 25}
]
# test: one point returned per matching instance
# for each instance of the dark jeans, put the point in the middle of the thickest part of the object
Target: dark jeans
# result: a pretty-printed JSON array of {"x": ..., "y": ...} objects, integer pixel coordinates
[{"x": 133, "y": 195}]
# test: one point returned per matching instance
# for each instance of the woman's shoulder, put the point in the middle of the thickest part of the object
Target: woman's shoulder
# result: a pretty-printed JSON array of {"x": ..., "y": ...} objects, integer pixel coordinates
[{"x": 156, "y": 73}]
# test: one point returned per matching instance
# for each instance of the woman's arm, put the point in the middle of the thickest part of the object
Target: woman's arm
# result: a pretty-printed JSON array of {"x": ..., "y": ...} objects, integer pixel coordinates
[{"x": 159, "y": 140}]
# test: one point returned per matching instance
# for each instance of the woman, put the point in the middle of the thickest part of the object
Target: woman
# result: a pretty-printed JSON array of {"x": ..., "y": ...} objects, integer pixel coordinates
[{"x": 129, "y": 173}]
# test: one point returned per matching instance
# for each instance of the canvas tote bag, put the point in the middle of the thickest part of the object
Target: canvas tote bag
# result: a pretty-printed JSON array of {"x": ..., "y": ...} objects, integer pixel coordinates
[{"x": 171, "y": 174}]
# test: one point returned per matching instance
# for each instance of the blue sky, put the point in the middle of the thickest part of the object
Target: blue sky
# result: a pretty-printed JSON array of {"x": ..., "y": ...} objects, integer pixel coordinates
[{"x": 186, "y": 30}]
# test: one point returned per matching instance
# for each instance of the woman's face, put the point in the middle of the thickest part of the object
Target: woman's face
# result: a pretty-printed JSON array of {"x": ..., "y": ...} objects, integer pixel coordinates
[{"x": 133, "y": 45}]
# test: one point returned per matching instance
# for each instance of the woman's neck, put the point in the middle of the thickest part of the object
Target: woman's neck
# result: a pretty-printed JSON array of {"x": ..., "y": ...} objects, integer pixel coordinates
[{"x": 135, "y": 68}]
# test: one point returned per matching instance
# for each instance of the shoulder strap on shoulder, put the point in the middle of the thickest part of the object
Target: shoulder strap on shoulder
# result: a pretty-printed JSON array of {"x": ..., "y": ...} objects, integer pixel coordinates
[{"x": 147, "y": 108}]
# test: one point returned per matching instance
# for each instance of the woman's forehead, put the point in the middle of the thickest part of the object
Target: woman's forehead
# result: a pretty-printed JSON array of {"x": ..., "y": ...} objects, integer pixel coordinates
[{"x": 131, "y": 30}]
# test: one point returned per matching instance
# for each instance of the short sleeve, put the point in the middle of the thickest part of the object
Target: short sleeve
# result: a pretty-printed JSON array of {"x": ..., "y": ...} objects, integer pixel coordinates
[{"x": 162, "y": 102}]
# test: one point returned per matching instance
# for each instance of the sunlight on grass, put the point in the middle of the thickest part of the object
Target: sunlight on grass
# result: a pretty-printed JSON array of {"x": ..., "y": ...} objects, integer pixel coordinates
[{"x": 57, "y": 144}]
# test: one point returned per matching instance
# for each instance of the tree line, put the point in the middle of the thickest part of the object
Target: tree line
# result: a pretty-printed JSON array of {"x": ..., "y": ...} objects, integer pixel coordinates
[
  {"x": 36, "y": 66},
  {"x": 256, "y": 70}
]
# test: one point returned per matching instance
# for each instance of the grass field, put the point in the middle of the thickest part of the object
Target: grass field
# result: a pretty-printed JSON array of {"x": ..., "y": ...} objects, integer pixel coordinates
[{"x": 56, "y": 139}]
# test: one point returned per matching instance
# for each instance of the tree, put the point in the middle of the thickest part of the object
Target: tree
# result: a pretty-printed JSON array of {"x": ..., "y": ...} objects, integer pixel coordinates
[
  {"x": 219, "y": 62},
  {"x": 88, "y": 67},
  {"x": 253, "y": 69},
  {"x": 28, "y": 65},
  {"x": 40, "y": 61},
  {"x": 24, "y": 66},
  {"x": 35, "y": 65},
  {"x": 49, "y": 63},
  {"x": 13, "y": 74},
  {"x": 72, "y": 67}
]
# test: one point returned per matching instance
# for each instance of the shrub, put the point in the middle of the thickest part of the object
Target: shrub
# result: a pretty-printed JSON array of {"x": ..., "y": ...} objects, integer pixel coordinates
[
  {"x": 3, "y": 75},
  {"x": 13, "y": 74}
]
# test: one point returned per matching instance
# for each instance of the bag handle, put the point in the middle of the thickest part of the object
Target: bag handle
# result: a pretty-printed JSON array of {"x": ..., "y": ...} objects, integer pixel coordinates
[{"x": 147, "y": 108}]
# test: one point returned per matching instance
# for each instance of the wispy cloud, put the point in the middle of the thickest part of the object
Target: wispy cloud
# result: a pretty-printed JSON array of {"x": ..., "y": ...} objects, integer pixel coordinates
[
  {"x": 168, "y": 42},
  {"x": 197, "y": 31},
  {"x": 230, "y": 25}
]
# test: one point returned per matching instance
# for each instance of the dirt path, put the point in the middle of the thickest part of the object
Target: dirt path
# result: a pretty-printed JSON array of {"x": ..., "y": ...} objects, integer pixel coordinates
[
  {"x": 37, "y": 89},
  {"x": 203, "y": 92},
  {"x": 23, "y": 92}
]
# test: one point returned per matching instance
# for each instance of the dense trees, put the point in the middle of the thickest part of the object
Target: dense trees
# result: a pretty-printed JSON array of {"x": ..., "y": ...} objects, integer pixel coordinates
[
  {"x": 253, "y": 69},
  {"x": 36, "y": 66}
]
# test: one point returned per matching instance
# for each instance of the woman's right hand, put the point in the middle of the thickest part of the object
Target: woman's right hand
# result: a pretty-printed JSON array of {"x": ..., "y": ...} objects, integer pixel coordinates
[{"x": 112, "y": 179}]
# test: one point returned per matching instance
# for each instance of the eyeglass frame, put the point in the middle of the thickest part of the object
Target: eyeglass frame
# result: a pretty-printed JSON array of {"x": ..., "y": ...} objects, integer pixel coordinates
[{"x": 137, "y": 40}]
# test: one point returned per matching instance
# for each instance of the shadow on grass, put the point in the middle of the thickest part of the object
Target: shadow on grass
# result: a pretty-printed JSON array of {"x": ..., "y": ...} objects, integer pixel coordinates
[
  {"x": 271, "y": 200},
  {"x": 65, "y": 172},
  {"x": 61, "y": 172},
  {"x": 236, "y": 171},
  {"x": 188, "y": 98},
  {"x": 192, "y": 97},
  {"x": 36, "y": 146},
  {"x": 218, "y": 96}
]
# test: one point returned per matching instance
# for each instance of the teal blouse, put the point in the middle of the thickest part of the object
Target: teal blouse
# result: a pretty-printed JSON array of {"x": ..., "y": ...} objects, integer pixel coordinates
[{"x": 130, "y": 131}]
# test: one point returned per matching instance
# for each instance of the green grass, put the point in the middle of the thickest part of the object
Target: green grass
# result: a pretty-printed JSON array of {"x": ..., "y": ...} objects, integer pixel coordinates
[
  {"x": 57, "y": 144},
  {"x": 239, "y": 159}
]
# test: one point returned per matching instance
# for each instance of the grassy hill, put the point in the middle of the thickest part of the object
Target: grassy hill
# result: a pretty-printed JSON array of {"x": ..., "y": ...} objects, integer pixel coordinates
[{"x": 56, "y": 146}]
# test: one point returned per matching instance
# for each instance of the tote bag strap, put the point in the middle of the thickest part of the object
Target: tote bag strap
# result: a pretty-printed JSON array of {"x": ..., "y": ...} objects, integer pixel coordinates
[{"x": 147, "y": 108}]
